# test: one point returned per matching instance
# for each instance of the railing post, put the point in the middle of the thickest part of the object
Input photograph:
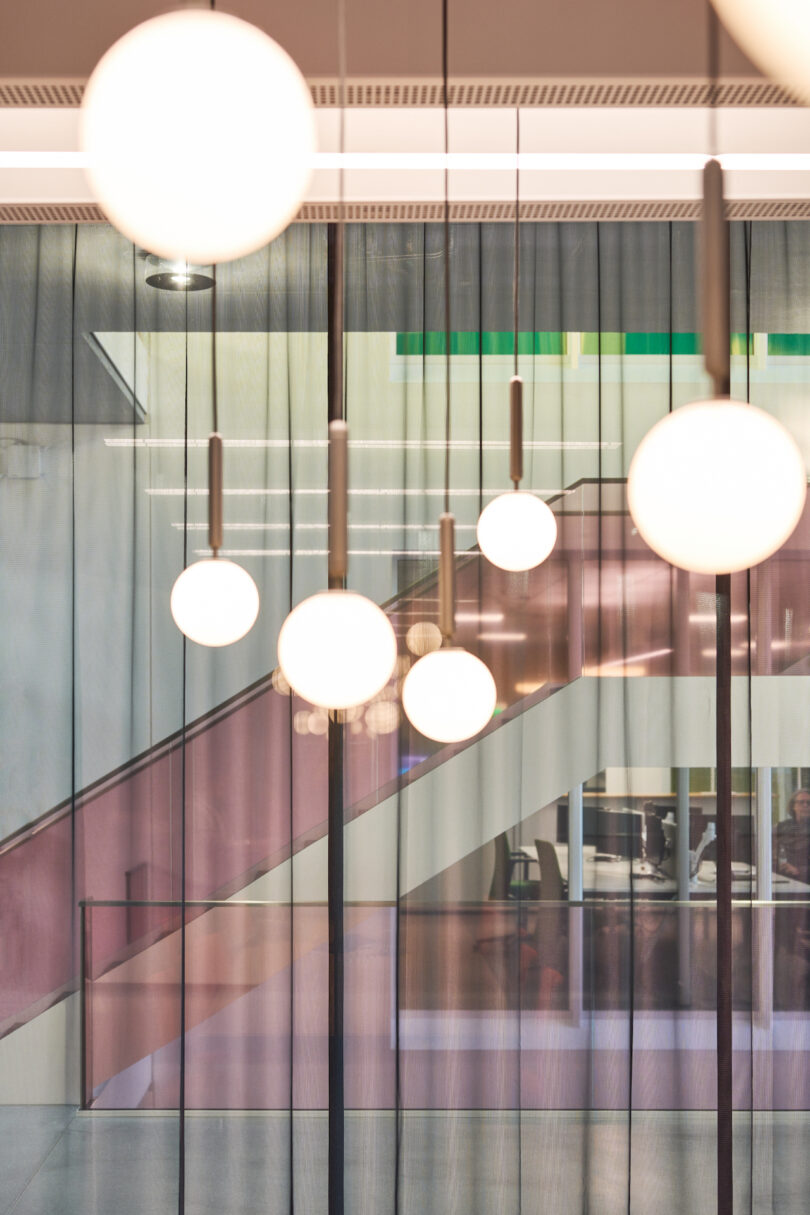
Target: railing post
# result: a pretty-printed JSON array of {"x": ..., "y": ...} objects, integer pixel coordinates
[
  {"x": 84, "y": 998},
  {"x": 576, "y": 652}
]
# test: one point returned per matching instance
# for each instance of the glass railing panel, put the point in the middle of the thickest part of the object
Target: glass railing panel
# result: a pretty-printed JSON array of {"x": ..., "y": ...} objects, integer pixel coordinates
[
  {"x": 251, "y": 972},
  {"x": 37, "y": 961},
  {"x": 522, "y": 1004},
  {"x": 601, "y": 605}
]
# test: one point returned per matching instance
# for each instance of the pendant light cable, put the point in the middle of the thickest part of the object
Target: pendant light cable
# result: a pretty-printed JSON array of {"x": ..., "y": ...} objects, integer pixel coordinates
[
  {"x": 716, "y": 275},
  {"x": 516, "y": 383},
  {"x": 516, "y": 282},
  {"x": 447, "y": 524},
  {"x": 713, "y": 61},
  {"x": 214, "y": 396},
  {"x": 446, "y": 100},
  {"x": 181, "y": 1095},
  {"x": 516, "y": 470},
  {"x": 449, "y": 695},
  {"x": 215, "y": 530}
]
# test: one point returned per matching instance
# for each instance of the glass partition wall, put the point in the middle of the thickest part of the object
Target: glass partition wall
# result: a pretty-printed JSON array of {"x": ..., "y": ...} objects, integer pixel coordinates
[{"x": 529, "y": 919}]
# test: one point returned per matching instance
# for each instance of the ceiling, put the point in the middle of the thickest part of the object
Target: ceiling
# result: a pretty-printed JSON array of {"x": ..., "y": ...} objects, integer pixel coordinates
[
  {"x": 390, "y": 45},
  {"x": 590, "y": 78}
]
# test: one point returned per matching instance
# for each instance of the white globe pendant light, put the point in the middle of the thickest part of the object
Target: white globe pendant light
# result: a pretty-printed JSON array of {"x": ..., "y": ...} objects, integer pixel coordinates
[
  {"x": 775, "y": 34},
  {"x": 516, "y": 531},
  {"x": 337, "y": 648},
  {"x": 215, "y": 602},
  {"x": 717, "y": 486},
  {"x": 199, "y": 135},
  {"x": 449, "y": 695}
]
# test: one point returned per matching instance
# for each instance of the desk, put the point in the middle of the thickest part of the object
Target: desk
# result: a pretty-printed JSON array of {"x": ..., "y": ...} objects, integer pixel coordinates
[{"x": 611, "y": 877}]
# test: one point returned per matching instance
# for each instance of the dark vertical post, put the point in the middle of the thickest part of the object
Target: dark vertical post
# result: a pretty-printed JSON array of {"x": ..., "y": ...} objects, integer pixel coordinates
[
  {"x": 725, "y": 1190},
  {"x": 717, "y": 359},
  {"x": 335, "y": 843},
  {"x": 83, "y": 996}
]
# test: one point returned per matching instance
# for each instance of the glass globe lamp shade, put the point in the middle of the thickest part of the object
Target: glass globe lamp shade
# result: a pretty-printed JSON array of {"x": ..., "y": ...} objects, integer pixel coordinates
[
  {"x": 423, "y": 637},
  {"x": 337, "y": 649},
  {"x": 449, "y": 695},
  {"x": 199, "y": 133},
  {"x": 516, "y": 531},
  {"x": 214, "y": 602},
  {"x": 716, "y": 486},
  {"x": 775, "y": 34}
]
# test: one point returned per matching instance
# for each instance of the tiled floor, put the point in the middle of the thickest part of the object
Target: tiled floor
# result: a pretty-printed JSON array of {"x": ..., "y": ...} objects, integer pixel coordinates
[{"x": 56, "y": 1162}]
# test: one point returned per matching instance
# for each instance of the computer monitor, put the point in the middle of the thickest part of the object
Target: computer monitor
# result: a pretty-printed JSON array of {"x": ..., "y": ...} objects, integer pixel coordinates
[{"x": 618, "y": 832}]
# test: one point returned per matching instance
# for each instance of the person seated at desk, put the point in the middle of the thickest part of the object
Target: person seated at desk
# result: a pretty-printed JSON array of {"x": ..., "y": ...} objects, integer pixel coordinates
[
  {"x": 791, "y": 852},
  {"x": 792, "y": 838}
]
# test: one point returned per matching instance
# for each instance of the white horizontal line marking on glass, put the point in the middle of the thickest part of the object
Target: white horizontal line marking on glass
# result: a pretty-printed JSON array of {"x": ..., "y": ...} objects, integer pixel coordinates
[
  {"x": 375, "y": 444},
  {"x": 322, "y": 552},
  {"x": 322, "y": 527},
  {"x": 479, "y": 617},
  {"x": 202, "y": 492},
  {"x": 501, "y": 636}
]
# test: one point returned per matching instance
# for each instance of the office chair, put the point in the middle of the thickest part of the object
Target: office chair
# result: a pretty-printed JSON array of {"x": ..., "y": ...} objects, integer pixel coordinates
[
  {"x": 505, "y": 886},
  {"x": 553, "y": 887},
  {"x": 551, "y": 926}
]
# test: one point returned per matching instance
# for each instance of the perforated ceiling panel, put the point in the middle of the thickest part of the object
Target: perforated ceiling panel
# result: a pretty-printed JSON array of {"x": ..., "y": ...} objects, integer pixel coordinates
[
  {"x": 685, "y": 92},
  {"x": 494, "y": 92},
  {"x": 467, "y": 212}
]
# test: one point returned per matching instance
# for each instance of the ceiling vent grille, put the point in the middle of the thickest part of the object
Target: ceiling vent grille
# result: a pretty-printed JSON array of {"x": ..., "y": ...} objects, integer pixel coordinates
[
  {"x": 568, "y": 211},
  {"x": 50, "y": 213},
  {"x": 561, "y": 93},
  {"x": 33, "y": 93},
  {"x": 428, "y": 92},
  {"x": 467, "y": 212}
]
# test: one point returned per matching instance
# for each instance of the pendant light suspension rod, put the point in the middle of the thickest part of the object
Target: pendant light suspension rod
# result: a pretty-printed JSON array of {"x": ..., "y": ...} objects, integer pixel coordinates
[
  {"x": 447, "y": 576},
  {"x": 215, "y": 492},
  {"x": 338, "y": 493},
  {"x": 516, "y": 429},
  {"x": 715, "y": 281}
]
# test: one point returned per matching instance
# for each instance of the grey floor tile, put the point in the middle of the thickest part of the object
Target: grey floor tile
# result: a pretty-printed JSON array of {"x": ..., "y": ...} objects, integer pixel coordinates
[
  {"x": 107, "y": 1166},
  {"x": 27, "y": 1135},
  {"x": 441, "y": 1163}
]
